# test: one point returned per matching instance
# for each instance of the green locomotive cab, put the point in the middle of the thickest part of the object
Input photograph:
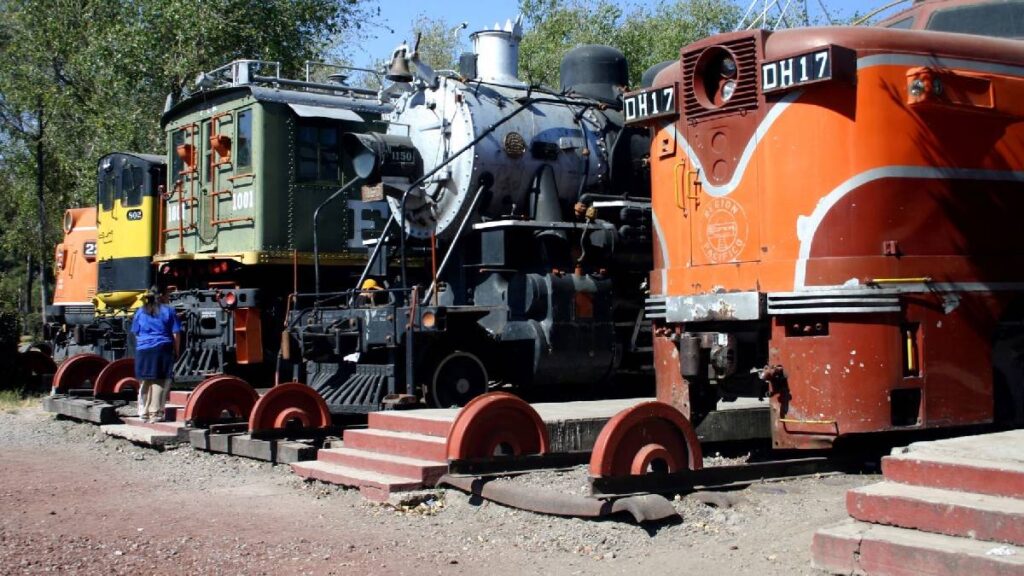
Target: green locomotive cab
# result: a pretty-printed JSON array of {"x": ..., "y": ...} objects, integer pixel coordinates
[{"x": 252, "y": 154}]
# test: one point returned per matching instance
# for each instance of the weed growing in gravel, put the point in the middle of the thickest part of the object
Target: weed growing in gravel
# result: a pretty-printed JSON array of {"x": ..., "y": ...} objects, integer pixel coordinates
[{"x": 13, "y": 400}]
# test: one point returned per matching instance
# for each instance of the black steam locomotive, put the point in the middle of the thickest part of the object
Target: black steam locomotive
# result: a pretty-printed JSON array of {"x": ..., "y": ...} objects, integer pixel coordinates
[{"x": 519, "y": 245}]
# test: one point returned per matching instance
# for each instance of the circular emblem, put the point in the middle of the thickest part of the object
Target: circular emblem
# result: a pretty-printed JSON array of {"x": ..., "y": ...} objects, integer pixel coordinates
[
  {"x": 515, "y": 145},
  {"x": 725, "y": 231}
]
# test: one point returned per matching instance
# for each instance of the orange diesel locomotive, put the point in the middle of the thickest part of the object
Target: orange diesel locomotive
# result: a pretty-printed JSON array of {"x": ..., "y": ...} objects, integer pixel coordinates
[
  {"x": 837, "y": 217},
  {"x": 75, "y": 272}
]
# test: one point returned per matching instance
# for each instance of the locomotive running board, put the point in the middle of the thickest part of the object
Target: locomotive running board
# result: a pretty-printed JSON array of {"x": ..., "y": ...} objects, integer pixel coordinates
[{"x": 643, "y": 508}]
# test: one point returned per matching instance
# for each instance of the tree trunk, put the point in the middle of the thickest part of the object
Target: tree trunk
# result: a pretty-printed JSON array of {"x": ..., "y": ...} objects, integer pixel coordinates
[{"x": 42, "y": 219}]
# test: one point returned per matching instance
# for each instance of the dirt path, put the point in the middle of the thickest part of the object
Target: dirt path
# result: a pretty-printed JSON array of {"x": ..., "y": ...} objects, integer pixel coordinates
[{"x": 75, "y": 501}]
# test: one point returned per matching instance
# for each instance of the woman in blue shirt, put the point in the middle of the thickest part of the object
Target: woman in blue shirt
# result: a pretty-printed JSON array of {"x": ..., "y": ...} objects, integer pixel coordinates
[{"x": 157, "y": 343}]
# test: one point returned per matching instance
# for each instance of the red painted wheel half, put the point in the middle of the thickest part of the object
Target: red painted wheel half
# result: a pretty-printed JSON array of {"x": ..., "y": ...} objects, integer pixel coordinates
[
  {"x": 652, "y": 436},
  {"x": 126, "y": 386},
  {"x": 111, "y": 374},
  {"x": 497, "y": 424},
  {"x": 291, "y": 406},
  {"x": 36, "y": 362},
  {"x": 218, "y": 399},
  {"x": 78, "y": 370}
]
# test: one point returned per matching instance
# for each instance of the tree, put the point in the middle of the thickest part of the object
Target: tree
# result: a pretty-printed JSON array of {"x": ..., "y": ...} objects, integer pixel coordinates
[
  {"x": 81, "y": 79},
  {"x": 646, "y": 34},
  {"x": 440, "y": 43}
]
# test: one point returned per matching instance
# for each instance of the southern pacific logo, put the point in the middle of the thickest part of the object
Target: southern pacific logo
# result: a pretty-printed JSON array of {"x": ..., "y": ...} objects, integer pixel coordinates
[{"x": 135, "y": 215}]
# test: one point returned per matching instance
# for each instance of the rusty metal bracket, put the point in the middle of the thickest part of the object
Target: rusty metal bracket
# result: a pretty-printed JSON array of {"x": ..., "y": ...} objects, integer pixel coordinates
[{"x": 646, "y": 508}]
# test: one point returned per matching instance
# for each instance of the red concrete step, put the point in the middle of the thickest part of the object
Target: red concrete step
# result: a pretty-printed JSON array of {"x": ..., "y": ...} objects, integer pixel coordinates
[
  {"x": 179, "y": 397},
  {"x": 986, "y": 464},
  {"x": 397, "y": 443},
  {"x": 977, "y": 516},
  {"x": 858, "y": 548},
  {"x": 372, "y": 485},
  {"x": 426, "y": 422},
  {"x": 955, "y": 472},
  {"x": 425, "y": 471}
]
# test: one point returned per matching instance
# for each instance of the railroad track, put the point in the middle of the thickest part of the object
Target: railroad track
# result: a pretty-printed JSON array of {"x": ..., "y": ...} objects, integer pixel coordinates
[{"x": 641, "y": 496}]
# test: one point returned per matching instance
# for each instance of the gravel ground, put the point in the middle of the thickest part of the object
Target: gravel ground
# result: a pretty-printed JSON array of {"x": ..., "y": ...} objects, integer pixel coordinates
[{"x": 76, "y": 501}]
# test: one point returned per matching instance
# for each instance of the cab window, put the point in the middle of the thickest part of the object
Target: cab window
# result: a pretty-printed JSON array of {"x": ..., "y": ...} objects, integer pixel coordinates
[
  {"x": 318, "y": 152},
  {"x": 243, "y": 142},
  {"x": 177, "y": 165},
  {"x": 904, "y": 24},
  {"x": 1000, "y": 19},
  {"x": 107, "y": 186},
  {"x": 132, "y": 181}
]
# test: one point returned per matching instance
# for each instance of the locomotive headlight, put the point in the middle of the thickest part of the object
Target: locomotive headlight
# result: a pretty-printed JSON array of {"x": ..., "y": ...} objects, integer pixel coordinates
[
  {"x": 728, "y": 89},
  {"x": 728, "y": 68},
  {"x": 69, "y": 222}
]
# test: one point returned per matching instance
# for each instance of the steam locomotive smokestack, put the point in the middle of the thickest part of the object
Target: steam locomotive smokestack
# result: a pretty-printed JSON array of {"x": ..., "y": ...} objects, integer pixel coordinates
[{"x": 497, "y": 52}]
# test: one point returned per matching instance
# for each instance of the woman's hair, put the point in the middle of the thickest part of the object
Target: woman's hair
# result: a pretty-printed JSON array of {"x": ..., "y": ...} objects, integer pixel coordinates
[{"x": 151, "y": 301}]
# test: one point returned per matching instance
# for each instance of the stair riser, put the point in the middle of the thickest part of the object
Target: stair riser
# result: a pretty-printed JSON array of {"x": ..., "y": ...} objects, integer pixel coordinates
[
  {"x": 174, "y": 413},
  {"x": 879, "y": 558},
  {"x": 988, "y": 480},
  {"x": 371, "y": 490},
  {"x": 179, "y": 397},
  {"x": 949, "y": 519},
  {"x": 410, "y": 447},
  {"x": 428, "y": 475},
  {"x": 399, "y": 422}
]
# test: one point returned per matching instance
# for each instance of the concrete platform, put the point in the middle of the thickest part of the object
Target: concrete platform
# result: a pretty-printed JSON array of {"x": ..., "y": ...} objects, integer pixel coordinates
[
  {"x": 859, "y": 548},
  {"x": 83, "y": 409},
  {"x": 158, "y": 435},
  {"x": 952, "y": 506},
  {"x": 574, "y": 426},
  {"x": 241, "y": 444},
  {"x": 977, "y": 516},
  {"x": 407, "y": 450}
]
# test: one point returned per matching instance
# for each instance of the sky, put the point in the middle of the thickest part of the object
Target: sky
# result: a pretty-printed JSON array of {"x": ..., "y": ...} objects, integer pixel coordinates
[{"x": 398, "y": 15}]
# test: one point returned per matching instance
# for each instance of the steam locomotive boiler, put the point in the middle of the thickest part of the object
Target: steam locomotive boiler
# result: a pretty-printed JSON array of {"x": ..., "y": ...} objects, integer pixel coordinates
[{"x": 529, "y": 210}]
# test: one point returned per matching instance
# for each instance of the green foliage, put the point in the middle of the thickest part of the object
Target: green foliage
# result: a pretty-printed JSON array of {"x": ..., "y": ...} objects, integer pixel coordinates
[
  {"x": 440, "y": 43},
  {"x": 90, "y": 77},
  {"x": 646, "y": 33}
]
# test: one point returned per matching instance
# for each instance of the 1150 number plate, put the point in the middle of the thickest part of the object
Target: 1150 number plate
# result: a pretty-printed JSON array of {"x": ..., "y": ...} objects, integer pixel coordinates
[{"x": 796, "y": 70}]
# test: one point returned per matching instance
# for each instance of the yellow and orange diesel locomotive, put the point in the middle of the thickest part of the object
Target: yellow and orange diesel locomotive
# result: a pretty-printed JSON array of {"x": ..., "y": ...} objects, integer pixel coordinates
[
  {"x": 75, "y": 270},
  {"x": 837, "y": 217}
]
